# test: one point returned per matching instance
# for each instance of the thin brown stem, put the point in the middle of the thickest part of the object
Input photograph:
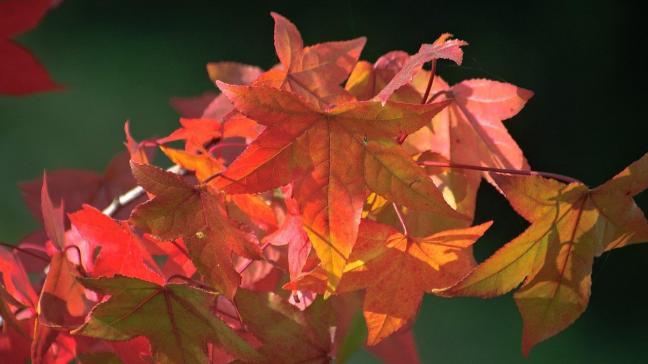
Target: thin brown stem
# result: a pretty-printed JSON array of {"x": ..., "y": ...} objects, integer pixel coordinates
[
  {"x": 181, "y": 249},
  {"x": 26, "y": 251},
  {"x": 250, "y": 261},
  {"x": 555, "y": 176},
  {"x": 430, "y": 81},
  {"x": 400, "y": 218},
  {"x": 447, "y": 93},
  {"x": 191, "y": 282}
]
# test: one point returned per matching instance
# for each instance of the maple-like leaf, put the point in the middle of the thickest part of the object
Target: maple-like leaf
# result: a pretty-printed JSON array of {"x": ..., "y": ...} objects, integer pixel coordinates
[
  {"x": 570, "y": 226},
  {"x": 198, "y": 216},
  {"x": 19, "y": 16},
  {"x": 442, "y": 48},
  {"x": 470, "y": 130},
  {"x": 203, "y": 165},
  {"x": 314, "y": 73},
  {"x": 287, "y": 334},
  {"x": 14, "y": 279},
  {"x": 196, "y": 133},
  {"x": 397, "y": 348},
  {"x": 20, "y": 71},
  {"x": 292, "y": 233},
  {"x": 16, "y": 293},
  {"x": 121, "y": 251},
  {"x": 397, "y": 270},
  {"x": 332, "y": 157},
  {"x": 76, "y": 187},
  {"x": 368, "y": 79},
  {"x": 177, "y": 319}
]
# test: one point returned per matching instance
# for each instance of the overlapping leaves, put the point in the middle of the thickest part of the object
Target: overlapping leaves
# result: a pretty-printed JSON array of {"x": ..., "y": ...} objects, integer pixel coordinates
[{"x": 363, "y": 194}]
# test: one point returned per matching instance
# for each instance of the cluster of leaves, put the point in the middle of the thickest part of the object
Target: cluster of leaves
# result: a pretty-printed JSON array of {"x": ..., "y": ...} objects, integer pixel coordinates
[
  {"x": 20, "y": 72},
  {"x": 302, "y": 197}
]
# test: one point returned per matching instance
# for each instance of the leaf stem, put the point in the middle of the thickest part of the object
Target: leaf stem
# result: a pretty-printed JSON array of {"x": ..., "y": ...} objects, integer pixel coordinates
[
  {"x": 400, "y": 218},
  {"x": 555, "y": 176},
  {"x": 430, "y": 81},
  {"x": 25, "y": 251},
  {"x": 250, "y": 261},
  {"x": 447, "y": 93}
]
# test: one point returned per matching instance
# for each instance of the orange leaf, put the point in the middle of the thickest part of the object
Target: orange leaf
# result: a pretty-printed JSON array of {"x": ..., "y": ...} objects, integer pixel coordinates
[
  {"x": 397, "y": 270},
  {"x": 570, "y": 225},
  {"x": 197, "y": 215},
  {"x": 333, "y": 157}
]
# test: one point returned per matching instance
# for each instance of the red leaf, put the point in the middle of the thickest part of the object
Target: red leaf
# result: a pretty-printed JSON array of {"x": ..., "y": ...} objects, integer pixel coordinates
[
  {"x": 20, "y": 72},
  {"x": 121, "y": 250}
]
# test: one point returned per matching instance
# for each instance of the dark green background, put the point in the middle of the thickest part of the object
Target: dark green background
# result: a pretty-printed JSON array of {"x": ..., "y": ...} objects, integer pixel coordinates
[{"x": 124, "y": 59}]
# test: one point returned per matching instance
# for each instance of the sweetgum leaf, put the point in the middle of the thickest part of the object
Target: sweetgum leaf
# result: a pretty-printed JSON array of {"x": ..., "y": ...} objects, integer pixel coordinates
[
  {"x": 470, "y": 130},
  {"x": 196, "y": 214},
  {"x": 332, "y": 157},
  {"x": 314, "y": 73},
  {"x": 20, "y": 72},
  {"x": 397, "y": 270},
  {"x": 441, "y": 49},
  {"x": 177, "y": 319},
  {"x": 121, "y": 251},
  {"x": 287, "y": 334},
  {"x": 570, "y": 225},
  {"x": 19, "y": 16}
]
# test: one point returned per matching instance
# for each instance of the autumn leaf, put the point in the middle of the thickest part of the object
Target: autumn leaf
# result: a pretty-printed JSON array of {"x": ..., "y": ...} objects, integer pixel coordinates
[
  {"x": 314, "y": 73},
  {"x": 287, "y": 334},
  {"x": 443, "y": 48},
  {"x": 20, "y": 72},
  {"x": 367, "y": 79},
  {"x": 570, "y": 226},
  {"x": 397, "y": 270},
  {"x": 121, "y": 251},
  {"x": 197, "y": 215},
  {"x": 176, "y": 318},
  {"x": 196, "y": 133},
  {"x": 470, "y": 130},
  {"x": 332, "y": 157},
  {"x": 16, "y": 293},
  {"x": 19, "y": 16},
  {"x": 76, "y": 187},
  {"x": 14, "y": 279},
  {"x": 203, "y": 165}
]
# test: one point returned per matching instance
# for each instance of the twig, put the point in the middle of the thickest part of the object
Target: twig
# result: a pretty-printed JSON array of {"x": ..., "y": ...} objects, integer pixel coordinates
[
  {"x": 555, "y": 176},
  {"x": 134, "y": 194}
]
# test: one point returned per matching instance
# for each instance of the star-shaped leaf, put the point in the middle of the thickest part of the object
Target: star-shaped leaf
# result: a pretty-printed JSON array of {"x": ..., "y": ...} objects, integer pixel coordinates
[
  {"x": 314, "y": 73},
  {"x": 121, "y": 251},
  {"x": 177, "y": 319},
  {"x": 570, "y": 225},
  {"x": 333, "y": 157},
  {"x": 197, "y": 215},
  {"x": 397, "y": 270},
  {"x": 287, "y": 334}
]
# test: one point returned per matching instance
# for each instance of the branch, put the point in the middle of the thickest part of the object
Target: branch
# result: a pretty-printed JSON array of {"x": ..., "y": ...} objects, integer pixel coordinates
[
  {"x": 555, "y": 176},
  {"x": 134, "y": 194}
]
